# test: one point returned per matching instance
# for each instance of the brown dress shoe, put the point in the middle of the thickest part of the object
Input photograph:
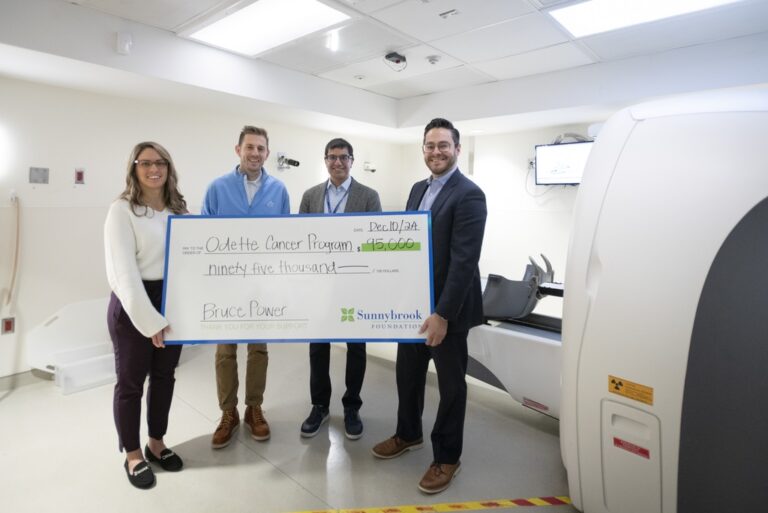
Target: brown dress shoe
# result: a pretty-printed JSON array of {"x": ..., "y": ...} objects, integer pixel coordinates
[
  {"x": 230, "y": 420},
  {"x": 438, "y": 477},
  {"x": 254, "y": 419},
  {"x": 394, "y": 447}
]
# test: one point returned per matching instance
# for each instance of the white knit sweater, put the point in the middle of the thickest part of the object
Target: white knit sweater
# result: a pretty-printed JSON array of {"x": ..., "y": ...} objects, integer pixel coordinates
[{"x": 134, "y": 247}]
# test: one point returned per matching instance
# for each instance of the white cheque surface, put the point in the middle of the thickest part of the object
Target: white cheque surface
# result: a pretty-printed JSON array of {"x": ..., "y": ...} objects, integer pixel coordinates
[{"x": 345, "y": 277}]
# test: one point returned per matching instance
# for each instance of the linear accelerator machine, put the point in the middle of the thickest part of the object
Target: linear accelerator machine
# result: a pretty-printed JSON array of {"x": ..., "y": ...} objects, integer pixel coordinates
[{"x": 665, "y": 317}]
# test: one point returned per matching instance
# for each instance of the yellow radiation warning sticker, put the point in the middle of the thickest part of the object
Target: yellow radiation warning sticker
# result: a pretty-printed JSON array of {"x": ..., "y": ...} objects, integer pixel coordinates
[{"x": 630, "y": 389}]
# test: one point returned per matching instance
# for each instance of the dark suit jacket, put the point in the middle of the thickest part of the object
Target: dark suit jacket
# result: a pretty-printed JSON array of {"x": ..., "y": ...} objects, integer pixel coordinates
[
  {"x": 458, "y": 224},
  {"x": 360, "y": 199}
]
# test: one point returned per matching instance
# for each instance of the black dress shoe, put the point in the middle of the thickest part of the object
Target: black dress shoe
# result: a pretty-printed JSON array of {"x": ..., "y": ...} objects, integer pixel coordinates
[
  {"x": 141, "y": 476},
  {"x": 168, "y": 460}
]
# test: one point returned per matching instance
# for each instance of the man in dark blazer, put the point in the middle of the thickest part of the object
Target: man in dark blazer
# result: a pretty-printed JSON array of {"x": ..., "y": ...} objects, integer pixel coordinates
[
  {"x": 340, "y": 193},
  {"x": 458, "y": 223}
]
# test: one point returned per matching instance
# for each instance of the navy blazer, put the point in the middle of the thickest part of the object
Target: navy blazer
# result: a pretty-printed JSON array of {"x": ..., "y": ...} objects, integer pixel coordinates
[{"x": 458, "y": 224}]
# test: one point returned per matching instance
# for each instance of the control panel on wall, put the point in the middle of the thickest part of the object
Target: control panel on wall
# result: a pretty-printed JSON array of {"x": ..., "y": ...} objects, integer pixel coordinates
[
  {"x": 38, "y": 175},
  {"x": 41, "y": 175}
]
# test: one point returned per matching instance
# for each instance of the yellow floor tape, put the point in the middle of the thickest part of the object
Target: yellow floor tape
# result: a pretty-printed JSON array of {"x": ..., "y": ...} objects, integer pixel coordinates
[{"x": 454, "y": 506}]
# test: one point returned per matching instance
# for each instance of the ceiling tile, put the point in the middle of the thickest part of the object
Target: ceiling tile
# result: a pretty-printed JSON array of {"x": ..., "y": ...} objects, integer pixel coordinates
[
  {"x": 358, "y": 40},
  {"x": 442, "y": 80},
  {"x": 512, "y": 37},
  {"x": 422, "y": 20},
  {"x": 165, "y": 14},
  {"x": 378, "y": 70},
  {"x": 551, "y": 3},
  {"x": 499, "y": 39},
  {"x": 734, "y": 20},
  {"x": 370, "y": 5},
  {"x": 562, "y": 56}
]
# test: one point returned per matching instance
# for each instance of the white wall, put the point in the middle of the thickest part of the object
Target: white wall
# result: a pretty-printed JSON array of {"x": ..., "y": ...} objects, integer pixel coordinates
[
  {"x": 61, "y": 253},
  {"x": 61, "y": 259},
  {"x": 524, "y": 219}
]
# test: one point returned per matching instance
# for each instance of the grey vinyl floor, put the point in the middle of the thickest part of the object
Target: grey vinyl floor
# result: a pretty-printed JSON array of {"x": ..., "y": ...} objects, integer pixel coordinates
[{"x": 59, "y": 452}]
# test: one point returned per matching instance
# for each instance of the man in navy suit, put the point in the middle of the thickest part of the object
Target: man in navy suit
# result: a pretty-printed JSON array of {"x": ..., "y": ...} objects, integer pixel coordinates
[{"x": 458, "y": 223}]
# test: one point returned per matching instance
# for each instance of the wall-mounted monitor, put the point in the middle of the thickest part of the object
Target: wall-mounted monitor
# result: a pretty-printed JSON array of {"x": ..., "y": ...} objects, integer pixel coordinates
[{"x": 561, "y": 164}]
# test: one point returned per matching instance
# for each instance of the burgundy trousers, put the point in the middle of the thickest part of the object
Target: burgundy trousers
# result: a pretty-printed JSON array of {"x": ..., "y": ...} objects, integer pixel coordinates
[{"x": 135, "y": 359}]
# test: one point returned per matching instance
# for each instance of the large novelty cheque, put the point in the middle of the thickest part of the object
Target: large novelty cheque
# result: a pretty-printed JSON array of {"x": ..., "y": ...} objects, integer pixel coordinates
[{"x": 345, "y": 277}]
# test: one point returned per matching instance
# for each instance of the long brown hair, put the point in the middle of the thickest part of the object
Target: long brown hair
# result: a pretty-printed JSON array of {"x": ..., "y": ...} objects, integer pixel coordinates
[{"x": 172, "y": 198}]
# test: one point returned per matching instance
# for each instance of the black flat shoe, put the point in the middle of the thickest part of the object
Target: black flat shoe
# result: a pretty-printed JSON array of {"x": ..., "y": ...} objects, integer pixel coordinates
[
  {"x": 168, "y": 460},
  {"x": 141, "y": 476}
]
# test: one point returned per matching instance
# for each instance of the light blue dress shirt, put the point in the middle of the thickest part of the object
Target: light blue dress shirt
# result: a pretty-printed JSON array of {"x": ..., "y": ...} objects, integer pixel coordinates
[
  {"x": 435, "y": 186},
  {"x": 336, "y": 197}
]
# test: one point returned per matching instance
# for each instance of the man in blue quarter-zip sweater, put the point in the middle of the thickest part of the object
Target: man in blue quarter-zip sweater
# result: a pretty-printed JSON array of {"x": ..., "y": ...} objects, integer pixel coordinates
[{"x": 246, "y": 190}]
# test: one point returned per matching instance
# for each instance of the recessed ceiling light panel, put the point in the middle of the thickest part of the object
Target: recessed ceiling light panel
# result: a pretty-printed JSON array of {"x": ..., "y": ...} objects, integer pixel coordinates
[
  {"x": 266, "y": 24},
  {"x": 596, "y": 16}
]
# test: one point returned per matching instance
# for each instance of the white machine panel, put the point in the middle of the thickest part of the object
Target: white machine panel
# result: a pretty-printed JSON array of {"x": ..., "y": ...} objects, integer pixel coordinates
[
  {"x": 665, "y": 186},
  {"x": 631, "y": 459},
  {"x": 525, "y": 360}
]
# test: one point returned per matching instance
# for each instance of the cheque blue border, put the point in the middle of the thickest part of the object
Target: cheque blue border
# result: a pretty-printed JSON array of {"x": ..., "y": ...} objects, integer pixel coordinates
[{"x": 428, "y": 213}]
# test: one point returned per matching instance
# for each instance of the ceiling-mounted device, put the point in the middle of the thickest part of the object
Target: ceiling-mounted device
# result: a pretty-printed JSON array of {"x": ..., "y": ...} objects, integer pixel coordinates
[{"x": 395, "y": 57}]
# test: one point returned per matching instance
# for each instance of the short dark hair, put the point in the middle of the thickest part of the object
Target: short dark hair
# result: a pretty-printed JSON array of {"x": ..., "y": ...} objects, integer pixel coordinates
[
  {"x": 443, "y": 123},
  {"x": 339, "y": 143},
  {"x": 249, "y": 129}
]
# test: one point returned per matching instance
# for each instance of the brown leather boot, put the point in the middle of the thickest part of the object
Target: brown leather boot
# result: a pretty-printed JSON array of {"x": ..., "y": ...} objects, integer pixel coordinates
[
  {"x": 254, "y": 419},
  {"x": 230, "y": 420}
]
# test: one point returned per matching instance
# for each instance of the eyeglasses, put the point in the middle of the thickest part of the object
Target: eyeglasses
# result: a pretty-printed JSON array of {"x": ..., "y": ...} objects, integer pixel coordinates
[
  {"x": 430, "y": 147},
  {"x": 146, "y": 164},
  {"x": 342, "y": 158}
]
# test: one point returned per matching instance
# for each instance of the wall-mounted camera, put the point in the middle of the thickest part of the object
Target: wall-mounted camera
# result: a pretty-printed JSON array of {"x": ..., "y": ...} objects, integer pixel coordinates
[{"x": 284, "y": 162}]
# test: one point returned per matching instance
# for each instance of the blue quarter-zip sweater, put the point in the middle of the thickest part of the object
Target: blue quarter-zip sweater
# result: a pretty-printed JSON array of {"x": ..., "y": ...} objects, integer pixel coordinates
[{"x": 226, "y": 196}]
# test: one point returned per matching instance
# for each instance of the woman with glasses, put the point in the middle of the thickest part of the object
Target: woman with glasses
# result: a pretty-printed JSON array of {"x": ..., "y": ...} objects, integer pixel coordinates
[{"x": 134, "y": 240}]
